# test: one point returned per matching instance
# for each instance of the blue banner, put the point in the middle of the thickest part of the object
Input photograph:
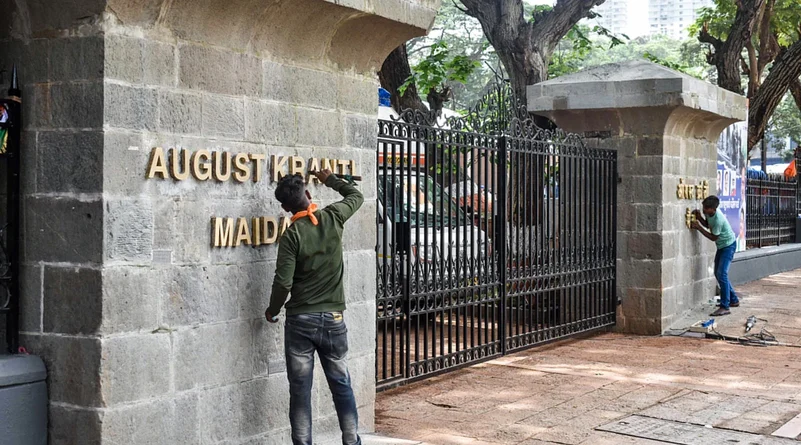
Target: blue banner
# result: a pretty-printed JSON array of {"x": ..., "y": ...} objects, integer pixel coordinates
[{"x": 731, "y": 177}]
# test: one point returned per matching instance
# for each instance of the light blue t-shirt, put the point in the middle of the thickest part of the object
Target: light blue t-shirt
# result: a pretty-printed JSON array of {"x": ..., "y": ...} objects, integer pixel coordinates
[{"x": 720, "y": 227}]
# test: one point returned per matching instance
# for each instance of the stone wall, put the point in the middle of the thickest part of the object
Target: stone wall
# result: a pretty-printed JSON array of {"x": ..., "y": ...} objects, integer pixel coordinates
[{"x": 151, "y": 336}]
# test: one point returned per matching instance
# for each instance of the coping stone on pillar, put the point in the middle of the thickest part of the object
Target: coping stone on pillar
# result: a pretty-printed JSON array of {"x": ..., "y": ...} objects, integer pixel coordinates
[{"x": 633, "y": 84}]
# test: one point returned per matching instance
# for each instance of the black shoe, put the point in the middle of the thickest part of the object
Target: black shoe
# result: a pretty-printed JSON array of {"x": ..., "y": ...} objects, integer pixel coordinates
[
  {"x": 731, "y": 305},
  {"x": 720, "y": 312}
]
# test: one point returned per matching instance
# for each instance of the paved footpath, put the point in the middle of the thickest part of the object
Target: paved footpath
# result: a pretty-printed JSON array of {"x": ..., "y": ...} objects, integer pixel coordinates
[{"x": 619, "y": 389}]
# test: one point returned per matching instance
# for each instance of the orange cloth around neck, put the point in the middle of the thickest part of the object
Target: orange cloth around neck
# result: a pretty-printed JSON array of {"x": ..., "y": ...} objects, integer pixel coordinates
[{"x": 308, "y": 212}]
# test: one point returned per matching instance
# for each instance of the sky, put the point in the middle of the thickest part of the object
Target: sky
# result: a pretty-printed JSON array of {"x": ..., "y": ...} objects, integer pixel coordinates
[{"x": 638, "y": 13}]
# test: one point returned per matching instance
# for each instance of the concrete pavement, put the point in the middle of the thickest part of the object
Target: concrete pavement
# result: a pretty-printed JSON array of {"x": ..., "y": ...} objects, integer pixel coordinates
[{"x": 619, "y": 389}]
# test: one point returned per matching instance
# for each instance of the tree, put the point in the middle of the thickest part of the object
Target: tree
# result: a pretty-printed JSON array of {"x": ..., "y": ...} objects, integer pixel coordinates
[
  {"x": 525, "y": 45},
  {"x": 747, "y": 37}
]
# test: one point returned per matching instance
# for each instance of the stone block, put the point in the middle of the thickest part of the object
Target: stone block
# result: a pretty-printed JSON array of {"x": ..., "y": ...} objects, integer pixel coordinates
[
  {"x": 30, "y": 287},
  {"x": 357, "y": 94},
  {"x": 180, "y": 113},
  {"x": 648, "y": 217},
  {"x": 650, "y": 146},
  {"x": 123, "y": 58},
  {"x": 360, "y": 282},
  {"x": 164, "y": 224},
  {"x": 360, "y": 132},
  {"x": 29, "y": 162},
  {"x": 223, "y": 116},
  {"x": 129, "y": 231},
  {"x": 172, "y": 421},
  {"x": 31, "y": 58},
  {"x": 360, "y": 230},
  {"x": 254, "y": 285},
  {"x": 218, "y": 71},
  {"x": 200, "y": 294},
  {"x": 69, "y": 425},
  {"x": 270, "y": 123},
  {"x": 159, "y": 64},
  {"x": 640, "y": 274},
  {"x": 362, "y": 371},
  {"x": 72, "y": 300},
  {"x": 360, "y": 319},
  {"x": 131, "y": 298},
  {"x": 79, "y": 58},
  {"x": 268, "y": 346},
  {"x": 135, "y": 368},
  {"x": 192, "y": 235},
  {"x": 312, "y": 87},
  {"x": 277, "y": 82},
  {"x": 73, "y": 105},
  {"x": 73, "y": 368},
  {"x": 319, "y": 128},
  {"x": 70, "y": 162},
  {"x": 644, "y": 245},
  {"x": 242, "y": 410},
  {"x": 125, "y": 163},
  {"x": 212, "y": 355},
  {"x": 130, "y": 107},
  {"x": 646, "y": 189}
]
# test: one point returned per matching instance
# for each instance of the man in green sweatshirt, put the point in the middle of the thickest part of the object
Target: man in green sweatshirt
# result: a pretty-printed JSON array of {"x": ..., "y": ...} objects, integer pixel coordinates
[{"x": 310, "y": 267}]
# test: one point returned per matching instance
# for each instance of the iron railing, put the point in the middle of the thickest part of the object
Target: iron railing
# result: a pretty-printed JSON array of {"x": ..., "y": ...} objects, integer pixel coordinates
[
  {"x": 491, "y": 238},
  {"x": 773, "y": 202}
]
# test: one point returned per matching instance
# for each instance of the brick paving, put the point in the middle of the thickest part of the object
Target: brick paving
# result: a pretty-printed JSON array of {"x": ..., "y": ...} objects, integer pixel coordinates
[{"x": 560, "y": 394}]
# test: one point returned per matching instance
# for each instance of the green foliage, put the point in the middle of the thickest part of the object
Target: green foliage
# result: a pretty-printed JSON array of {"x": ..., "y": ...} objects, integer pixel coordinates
[
  {"x": 786, "y": 123},
  {"x": 720, "y": 17},
  {"x": 439, "y": 68}
]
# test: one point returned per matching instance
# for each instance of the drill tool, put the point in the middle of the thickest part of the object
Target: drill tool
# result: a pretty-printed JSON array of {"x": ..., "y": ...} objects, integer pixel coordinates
[
  {"x": 349, "y": 178},
  {"x": 750, "y": 323}
]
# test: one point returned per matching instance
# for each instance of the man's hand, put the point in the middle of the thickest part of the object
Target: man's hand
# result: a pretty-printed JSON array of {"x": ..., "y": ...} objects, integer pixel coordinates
[
  {"x": 323, "y": 175},
  {"x": 696, "y": 225},
  {"x": 270, "y": 317},
  {"x": 698, "y": 214}
]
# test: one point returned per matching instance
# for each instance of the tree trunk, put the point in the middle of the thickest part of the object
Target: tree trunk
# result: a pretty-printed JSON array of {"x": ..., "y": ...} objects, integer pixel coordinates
[
  {"x": 785, "y": 73},
  {"x": 795, "y": 90},
  {"x": 728, "y": 54},
  {"x": 393, "y": 74}
]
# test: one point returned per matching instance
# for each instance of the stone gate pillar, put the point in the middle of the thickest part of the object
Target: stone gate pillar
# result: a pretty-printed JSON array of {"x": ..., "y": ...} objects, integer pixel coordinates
[
  {"x": 665, "y": 126},
  {"x": 151, "y": 334}
]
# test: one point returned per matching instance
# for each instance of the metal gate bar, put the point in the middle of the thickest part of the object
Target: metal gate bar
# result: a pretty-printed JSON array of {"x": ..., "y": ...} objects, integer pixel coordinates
[{"x": 492, "y": 237}]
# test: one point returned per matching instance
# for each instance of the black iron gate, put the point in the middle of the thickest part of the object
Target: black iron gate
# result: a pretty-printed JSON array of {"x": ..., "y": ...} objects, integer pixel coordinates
[{"x": 493, "y": 235}]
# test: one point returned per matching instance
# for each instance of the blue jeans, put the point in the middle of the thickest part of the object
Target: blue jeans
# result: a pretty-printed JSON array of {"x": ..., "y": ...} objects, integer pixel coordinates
[
  {"x": 723, "y": 260},
  {"x": 327, "y": 334}
]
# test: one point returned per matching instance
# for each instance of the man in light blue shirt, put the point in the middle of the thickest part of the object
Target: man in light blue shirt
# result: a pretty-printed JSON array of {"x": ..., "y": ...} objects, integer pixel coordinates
[{"x": 714, "y": 226}]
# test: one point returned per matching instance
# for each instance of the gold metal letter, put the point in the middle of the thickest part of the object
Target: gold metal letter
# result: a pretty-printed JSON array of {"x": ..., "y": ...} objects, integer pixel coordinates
[
  {"x": 278, "y": 163},
  {"x": 285, "y": 223},
  {"x": 201, "y": 169},
  {"x": 243, "y": 169},
  {"x": 297, "y": 166},
  {"x": 223, "y": 232},
  {"x": 314, "y": 165},
  {"x": 258, "y": 159},
  {"x": 270, "y": 228},
  {"x": 222, "y": 160},
  {"x": 242, "y": 232},
  {"x": 157, "y": 164},
  {"x": 174, "y": 164}
]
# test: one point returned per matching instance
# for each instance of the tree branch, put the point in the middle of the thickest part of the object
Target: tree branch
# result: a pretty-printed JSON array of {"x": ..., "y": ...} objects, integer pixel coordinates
[
  {"x": 783, "y": 75},
  {"x": 795, "y": 91}
]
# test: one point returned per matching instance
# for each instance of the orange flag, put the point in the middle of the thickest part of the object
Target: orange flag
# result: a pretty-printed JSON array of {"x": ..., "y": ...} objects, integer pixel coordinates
[{"x": 790, "y": 171}]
